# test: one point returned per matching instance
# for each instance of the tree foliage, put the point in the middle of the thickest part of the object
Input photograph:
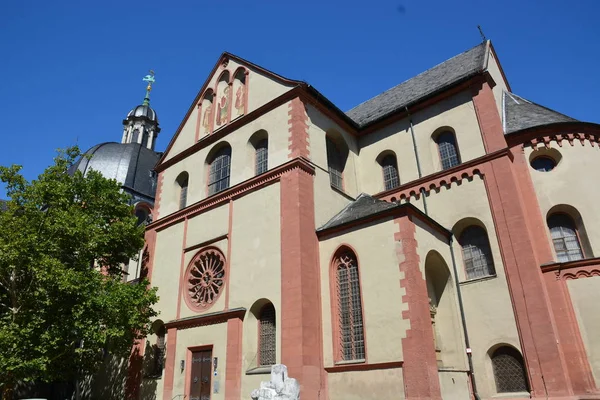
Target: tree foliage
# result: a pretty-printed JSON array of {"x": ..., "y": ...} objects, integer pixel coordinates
[{"x": 63, "y": 303}]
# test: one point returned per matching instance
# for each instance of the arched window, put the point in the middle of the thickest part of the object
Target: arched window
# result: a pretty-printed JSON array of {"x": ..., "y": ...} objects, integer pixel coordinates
[
  {"x": 391, "y": 179},
  {"x": 335, "y": 164},
  {"x": 159, "y": 351},
  {"x": 476, "y": 251},
  {"x": 220, "y": 167},
  {"x": 564, "y": 237},
  {"x": 182, "y": 181},
  {"x": 267, "y": 336},
  {"x": 447, "y": 149},
  {"x": 351, "y": 339},
  {"x": 509, "y": 370},
  {"x": 261, "y": 156}
]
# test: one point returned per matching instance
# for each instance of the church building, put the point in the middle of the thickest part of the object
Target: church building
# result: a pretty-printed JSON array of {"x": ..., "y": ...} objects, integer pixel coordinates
[{"x": 438, "y": 241}]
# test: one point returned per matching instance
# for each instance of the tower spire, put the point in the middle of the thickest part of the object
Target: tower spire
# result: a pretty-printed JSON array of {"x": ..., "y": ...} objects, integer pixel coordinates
[{"x": 150, "y": 79}]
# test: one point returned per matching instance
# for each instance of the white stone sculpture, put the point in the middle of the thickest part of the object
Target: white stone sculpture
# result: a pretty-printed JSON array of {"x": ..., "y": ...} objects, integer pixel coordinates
[{"x": 280, "y": 387}]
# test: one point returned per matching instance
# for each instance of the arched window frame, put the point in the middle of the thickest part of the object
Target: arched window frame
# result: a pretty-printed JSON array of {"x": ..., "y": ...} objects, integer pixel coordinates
[
  {"x": 482, "y": 246},
  {"x": 267, "y": 336},
  {"x": 447, "y": 148},
  {"x": 224, "y": 76},
  {"x": 219, "y": 170},
  {"x": 246, "y": 85},
  {"x": 508, "y": 368},
  {"x": 357, "y": 351},
  {"x": 335, "y": 164},
  {"x": 561, "y": 241},
  {"x": 389, "y": 169},
  {"x": 183, "y": 180}
]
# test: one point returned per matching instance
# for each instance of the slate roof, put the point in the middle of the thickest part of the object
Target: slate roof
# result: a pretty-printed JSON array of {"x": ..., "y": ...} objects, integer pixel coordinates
[
  {"x": 520, "y": 113},
  {"x": 436, "y": 79},
  {"x": 364, "y": 206}
]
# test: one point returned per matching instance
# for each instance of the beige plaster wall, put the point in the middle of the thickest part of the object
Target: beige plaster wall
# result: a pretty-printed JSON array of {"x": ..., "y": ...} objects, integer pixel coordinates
[
  {"x": 261, "y": 90},
  {"x": 208, "y": 225},
  {"x": 274, "y": 122},
  {"x": 366, "y": 385},
  {"x": 166, "y": 272},
  {"x": 381, "y": 293},
  {"x": 586, "y": 297},
  {"x": 456, "y": 112},
  {"x": 318, "y": 127},
  {"x": 328, "y": 202},
  {"x": 565, "y": 185},
  {"x": 431, "y": 245},
  {"x": 454, "y": 385},
  {"x": 219, "y": 304},
  {"x": 215, "y": 335}
]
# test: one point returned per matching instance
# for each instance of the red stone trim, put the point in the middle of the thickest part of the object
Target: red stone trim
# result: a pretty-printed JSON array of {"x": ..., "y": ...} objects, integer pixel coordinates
[
  {"x": 490, "y": 123},
  {"x": 239, "y": 190},
  {"x": 169, "y": 373},
  {"x": 206, "y": 319},
  {"x": 298, "y": 129},
  {"x": 364, "y": 367},
  {"x": 158, "y": 197},
  {"x": 557, "y": 132},
  {"x": 180, "y": 290},
  {"x": 582, "y": 138},
  {"x": 301, "y": 314},
  {"x": 421, "y": 380},
  {"x": 233, "y": 361},
  {"x": 445, "y": 177},
  {"x": 574, "y": 269},
  {"x": 228, "y": 259}
]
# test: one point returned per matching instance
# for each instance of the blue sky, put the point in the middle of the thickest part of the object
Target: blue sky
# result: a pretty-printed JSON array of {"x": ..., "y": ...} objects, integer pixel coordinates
[{"x": 71, "y": 70}]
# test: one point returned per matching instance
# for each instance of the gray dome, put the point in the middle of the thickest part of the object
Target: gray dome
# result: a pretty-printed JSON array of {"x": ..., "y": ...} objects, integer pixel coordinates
[
  {"x": 130, "y": 164},
  {"x": 143, "y": 111}
]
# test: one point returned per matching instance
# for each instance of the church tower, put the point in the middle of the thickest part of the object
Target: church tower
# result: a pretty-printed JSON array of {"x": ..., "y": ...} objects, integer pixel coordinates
[{"x": 141, "y": 124}]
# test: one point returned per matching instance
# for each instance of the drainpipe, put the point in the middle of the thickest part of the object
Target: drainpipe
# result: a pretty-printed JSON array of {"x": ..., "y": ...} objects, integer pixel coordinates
[
  {"x": 412, "y": 134},
  {"x": 462, "y": 317}
]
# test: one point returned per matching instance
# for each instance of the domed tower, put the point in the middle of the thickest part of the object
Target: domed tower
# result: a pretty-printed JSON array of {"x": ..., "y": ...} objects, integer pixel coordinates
[
  {"x": 132, "y": 161},
  {"x": 141, "y": 124}
]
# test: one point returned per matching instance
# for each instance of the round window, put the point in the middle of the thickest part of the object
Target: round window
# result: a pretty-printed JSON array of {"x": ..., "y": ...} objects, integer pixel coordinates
[
  {"x": 543, "y": 164},
  {"x": 205, "y": 278}
]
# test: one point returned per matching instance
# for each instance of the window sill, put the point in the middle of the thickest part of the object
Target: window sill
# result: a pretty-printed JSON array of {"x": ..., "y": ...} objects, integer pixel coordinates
[
  {"x": 359, "y": 361},
  {"x": 485, "y": 278},
  {"x": 264, "y": 370},
  {"x": 512, "y": 395}
]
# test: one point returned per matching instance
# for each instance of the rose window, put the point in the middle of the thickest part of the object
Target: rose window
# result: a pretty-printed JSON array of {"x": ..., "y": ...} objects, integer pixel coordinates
[{"x": 205, "y": 278}]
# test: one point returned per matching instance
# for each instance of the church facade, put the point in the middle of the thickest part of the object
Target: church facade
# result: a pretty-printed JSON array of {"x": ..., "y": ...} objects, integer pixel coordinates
[{"x": 437, "y": 241}]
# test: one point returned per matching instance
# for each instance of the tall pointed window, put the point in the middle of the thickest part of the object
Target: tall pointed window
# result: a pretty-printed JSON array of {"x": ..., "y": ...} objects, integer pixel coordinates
[
  {"x": 564, "y": 237},
  {"x": 477, "y": 255},
  {"x": 447, "y": 149},
  {"x": 335, "y": 164},
  {"x": 182, "y": 181},
  {"x": 509, "y": 370},
  {"x": 220, "y": 168},
  {"x": 261, "y": 156},
  {"x": 351, "y": 339},
  {"x": 391, "y": 179},
  {"x": 267, "y": 336}
]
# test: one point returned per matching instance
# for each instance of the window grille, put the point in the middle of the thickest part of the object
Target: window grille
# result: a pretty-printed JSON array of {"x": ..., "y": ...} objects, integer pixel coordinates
[
  {"x": 391, "y": 179},
  {"x": 350, "y": 319},
  {"x": 218, "y": 179},
  {"x": 268, "y": 336},
  {"x": 509, "y": 371},
  {"x": 564, "y": 237},
  {"x": 448, "y": 151},
  {"x": 262, "y": 154},
  {"x": 335, "y": 165},
  {"x": 476, "y": 253}
]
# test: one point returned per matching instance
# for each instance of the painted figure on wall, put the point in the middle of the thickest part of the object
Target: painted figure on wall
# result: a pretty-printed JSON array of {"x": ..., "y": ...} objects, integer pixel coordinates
[
  {"x": 223, "y": 106},
  {"x": 239, "y": 100},
  {"x": 206, "y": 117}
]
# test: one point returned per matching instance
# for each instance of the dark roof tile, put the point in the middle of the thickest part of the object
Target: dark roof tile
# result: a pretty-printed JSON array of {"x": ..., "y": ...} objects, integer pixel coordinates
[{"x": 520, "y": 113}]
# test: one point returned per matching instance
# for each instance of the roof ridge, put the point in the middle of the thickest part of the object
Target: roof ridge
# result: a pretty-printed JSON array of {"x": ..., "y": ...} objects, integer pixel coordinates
[{"x": 420, "y": 74}]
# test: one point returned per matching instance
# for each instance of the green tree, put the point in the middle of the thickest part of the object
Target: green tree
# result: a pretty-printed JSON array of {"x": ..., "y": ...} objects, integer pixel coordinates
[{"x": 63, "y": 303}]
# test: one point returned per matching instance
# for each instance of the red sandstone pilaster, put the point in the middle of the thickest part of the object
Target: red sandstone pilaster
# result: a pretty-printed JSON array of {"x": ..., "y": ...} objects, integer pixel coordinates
[
  {"x": 169, "y": 373},
  {"x": 301, "y": 333},
  {"x": 233, "y": 362},
  {"x": 421, "y": 380}
]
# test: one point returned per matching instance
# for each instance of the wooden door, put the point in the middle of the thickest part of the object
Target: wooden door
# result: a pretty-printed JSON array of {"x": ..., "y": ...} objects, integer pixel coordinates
[{"x": 201, "y": 375}]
